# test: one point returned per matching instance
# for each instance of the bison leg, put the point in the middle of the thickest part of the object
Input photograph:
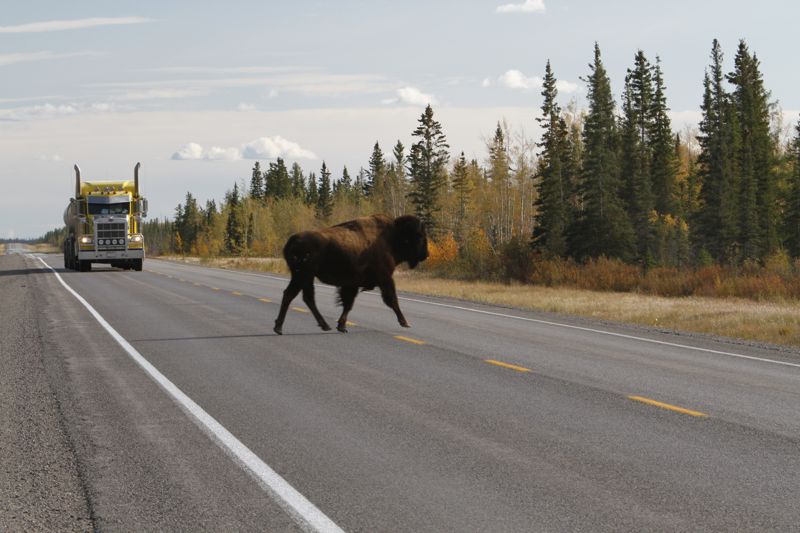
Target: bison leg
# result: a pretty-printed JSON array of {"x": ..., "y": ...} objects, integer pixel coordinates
[
  {"x": 308, "y": 298},
  {"x": 389, "y": 296},
  {"x": 347, "y": 296},
  {"x": 288, "y": 295}
]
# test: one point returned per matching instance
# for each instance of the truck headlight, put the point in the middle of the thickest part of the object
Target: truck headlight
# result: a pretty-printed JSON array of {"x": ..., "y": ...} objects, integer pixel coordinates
[
  {"x": 86, "y": 239},
  {"x": 135, "y": 238}
]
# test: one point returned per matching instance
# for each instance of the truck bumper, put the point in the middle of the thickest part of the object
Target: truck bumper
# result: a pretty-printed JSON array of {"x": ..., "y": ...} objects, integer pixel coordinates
[{"x": 109, "y": 255}]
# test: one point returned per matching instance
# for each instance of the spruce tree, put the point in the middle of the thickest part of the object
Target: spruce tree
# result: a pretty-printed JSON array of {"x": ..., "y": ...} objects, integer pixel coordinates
[
  {"x": 312, "y": 191},
  {"x": 298, "y": 181},
  {"x": 758, "y": 234},
  {"x": 716, "y": 225},
  {"x": 792, "y": 222},
  {"x": 427, "y": 166},
  {"x": 325, "y": 195},
  {"x": 664, "y": 162},
  {"x": 344, "y": 186},
  {"x": 500, "y": 175},
  {"x": 602, "y": 226},
  {"x": 234, "y": 226},
  {"x": 396, "y": 186},
  {"x": 257, "y": 182},
  {"x": 376, "y": 174},
  {"x": 636, "y": 156},
  {"x": 461, "y": 188},
  {"x": 278, "y": 183},
  {"x": 553, "y": 213}
]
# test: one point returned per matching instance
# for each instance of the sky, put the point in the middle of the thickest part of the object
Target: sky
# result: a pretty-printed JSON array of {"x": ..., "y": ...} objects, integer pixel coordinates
[{"x": 197, "y": 91}]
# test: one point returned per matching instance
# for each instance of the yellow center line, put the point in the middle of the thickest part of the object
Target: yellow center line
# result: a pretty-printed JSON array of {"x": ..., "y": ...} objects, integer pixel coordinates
[
  {"x": 300, "y": 310},
  {"x": 408, "y": 339},
  {"x": 265, "y": 300},
  {"x": 348, "y": 323},
  {"x": 196, "y": 284},
  {"x": 236, "y": 293},
  {"x": 507, "y": 365},
  {"x": 214, "y": 288},
  {"x": 663, "y": 405},
  {"x": 181, "y": 279}
]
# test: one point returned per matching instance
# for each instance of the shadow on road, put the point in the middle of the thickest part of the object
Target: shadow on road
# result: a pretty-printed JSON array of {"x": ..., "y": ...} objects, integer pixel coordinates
[{"x": 254, "y": 335}]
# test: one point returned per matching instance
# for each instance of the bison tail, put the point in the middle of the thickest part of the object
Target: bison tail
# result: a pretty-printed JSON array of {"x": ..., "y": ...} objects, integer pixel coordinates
[{"x": 295, "y": 254}]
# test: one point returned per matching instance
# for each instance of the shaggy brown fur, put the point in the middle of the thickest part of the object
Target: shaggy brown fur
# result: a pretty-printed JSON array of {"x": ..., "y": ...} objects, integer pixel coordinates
[{"x": 359, "y": 254}]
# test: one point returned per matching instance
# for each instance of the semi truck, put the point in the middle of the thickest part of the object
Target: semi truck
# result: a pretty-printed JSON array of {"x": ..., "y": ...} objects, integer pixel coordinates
[{"x": 104, "y": 224}]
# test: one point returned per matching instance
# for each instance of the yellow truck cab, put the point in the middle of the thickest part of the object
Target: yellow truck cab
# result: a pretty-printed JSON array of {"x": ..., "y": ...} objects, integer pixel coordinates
[{"x": 104, "y": 224}]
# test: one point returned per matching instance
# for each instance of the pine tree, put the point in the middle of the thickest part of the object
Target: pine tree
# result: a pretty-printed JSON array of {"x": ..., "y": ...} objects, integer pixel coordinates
[
  {"x": 553, "y": 214},
  {"x": 792, "y": 223},
  {"x": 257, "y": 182},
  {"x": 234, "y": 227},
  {"x": 325, "y": 196},
  {"x": 427, "y": 166},
  {"x": 298, "y": 181},
  {"x": 602, "y": 226}
]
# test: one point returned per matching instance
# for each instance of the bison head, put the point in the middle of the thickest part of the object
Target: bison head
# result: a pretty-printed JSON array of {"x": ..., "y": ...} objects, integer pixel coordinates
[{"x": 411, "y": 243}]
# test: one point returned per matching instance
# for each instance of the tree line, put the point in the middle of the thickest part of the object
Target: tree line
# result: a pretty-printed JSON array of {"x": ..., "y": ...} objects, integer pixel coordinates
[{"x": 611, "y": 181}]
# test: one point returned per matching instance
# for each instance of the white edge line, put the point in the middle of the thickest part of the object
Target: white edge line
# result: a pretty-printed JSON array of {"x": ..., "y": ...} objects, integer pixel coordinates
[
  {"x": 305, "y": 513},
  {"x": 547, "y": 322}
]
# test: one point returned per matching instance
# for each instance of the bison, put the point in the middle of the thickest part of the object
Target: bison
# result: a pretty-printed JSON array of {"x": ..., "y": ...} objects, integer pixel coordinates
[{"x": 359, "y": 254}]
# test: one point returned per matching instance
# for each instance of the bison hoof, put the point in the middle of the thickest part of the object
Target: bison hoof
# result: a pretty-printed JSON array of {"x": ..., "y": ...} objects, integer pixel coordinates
[
  {"x": 342, "y": 328},
  {"x": 405, "y": 324},
  {"x": 278, "y": 330},
  {"x": 325, "y": 327}
]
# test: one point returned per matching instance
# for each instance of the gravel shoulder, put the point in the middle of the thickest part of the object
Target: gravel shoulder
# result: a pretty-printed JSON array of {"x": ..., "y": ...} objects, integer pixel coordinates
[{"x": 40, "y": 485}]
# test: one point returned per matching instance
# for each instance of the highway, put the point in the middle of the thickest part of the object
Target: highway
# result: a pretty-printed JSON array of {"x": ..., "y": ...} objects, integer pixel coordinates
[{"x": 478, "y": 418}]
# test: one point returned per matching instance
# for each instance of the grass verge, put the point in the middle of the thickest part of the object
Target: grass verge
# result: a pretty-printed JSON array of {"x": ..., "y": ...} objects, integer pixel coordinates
[{"x": 771, "y": 322}]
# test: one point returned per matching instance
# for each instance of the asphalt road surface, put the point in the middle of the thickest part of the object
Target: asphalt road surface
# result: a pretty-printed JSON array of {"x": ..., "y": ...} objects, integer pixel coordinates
[{"x": 478, "y": 418}]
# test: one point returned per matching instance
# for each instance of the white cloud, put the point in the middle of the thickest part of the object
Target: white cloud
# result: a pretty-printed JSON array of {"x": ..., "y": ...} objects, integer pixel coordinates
[
  {"x": 77, "y": 24},
  {"x": 188, "y": 152},
  {"x": 215, "y": 153},
  {"x": 486, "y": 82},
  {"x": 261, "y": 148},
  {"x": 411, "y": 96},
  {"x": 272, "y": 147},
  {"x": 44, "y": 55},
  {"x": 50, "y": 111},
  {"x": 515, "y": 79},
  {"x": 528, "y": 6}
]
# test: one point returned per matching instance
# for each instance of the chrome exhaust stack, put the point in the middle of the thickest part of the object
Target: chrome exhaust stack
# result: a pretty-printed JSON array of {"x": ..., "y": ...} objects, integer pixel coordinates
[
  {"x": 136, "y": 179},
  {"x": 77, "y": 181}
]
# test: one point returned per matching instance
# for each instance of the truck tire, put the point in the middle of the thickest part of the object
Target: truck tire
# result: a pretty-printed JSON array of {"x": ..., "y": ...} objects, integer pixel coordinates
[
  {"x": 137, "y": 264},
  {"x": 85, "y": 266}
]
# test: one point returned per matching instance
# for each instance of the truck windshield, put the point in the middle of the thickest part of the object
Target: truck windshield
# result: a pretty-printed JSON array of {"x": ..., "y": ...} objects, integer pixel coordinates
[{"x": 109, "y": 209}]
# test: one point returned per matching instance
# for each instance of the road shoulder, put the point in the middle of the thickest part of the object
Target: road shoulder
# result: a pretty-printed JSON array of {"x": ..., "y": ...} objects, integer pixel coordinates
[{"x": 40, "y": 485}]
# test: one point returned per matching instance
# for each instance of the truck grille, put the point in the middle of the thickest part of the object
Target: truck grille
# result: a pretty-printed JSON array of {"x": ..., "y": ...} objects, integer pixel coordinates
[{"x": 111, "y": 236}]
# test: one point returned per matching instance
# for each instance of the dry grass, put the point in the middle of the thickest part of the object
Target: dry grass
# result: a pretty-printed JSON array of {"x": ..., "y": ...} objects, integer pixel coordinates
[
  {"x": 43, "y": 248},
  {"x": 773, "y": 322},
  {"x": 2, "y": 248},
  {"x": 254, "y": 264}
]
